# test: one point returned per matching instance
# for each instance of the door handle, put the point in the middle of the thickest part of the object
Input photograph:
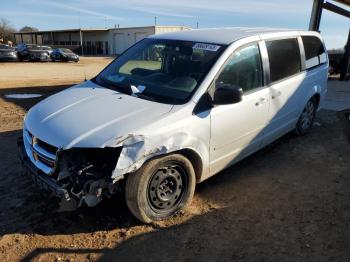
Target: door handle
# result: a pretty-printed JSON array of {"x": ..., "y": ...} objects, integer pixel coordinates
[{"x": 275, "y": 95}]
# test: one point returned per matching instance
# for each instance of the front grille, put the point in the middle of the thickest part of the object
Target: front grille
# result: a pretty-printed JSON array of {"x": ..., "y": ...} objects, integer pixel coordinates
[
  {"x": 49, "y": 148},
  {"x": 42, "y": 154}
]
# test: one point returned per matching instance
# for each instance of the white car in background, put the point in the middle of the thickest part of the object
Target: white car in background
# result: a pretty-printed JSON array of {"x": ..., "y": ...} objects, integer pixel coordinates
[{"x": 172, "y": 111}]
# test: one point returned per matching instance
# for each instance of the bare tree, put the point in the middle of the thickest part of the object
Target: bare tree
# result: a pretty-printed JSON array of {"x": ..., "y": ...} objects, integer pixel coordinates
[
  {"x": 26, "y": 29},
  {"x": 6, "y": 31}
]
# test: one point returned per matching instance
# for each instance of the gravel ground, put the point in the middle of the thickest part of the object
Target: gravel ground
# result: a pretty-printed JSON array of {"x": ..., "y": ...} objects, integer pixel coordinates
[
  {"x": 288, "y": 202},
  {"x": 29, "y": 74}
]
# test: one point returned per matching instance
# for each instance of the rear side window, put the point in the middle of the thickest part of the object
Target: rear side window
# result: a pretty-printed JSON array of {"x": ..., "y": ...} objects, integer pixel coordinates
[
  {"x": 314, "y": 51},
  {"x": 284, "y": 58}
]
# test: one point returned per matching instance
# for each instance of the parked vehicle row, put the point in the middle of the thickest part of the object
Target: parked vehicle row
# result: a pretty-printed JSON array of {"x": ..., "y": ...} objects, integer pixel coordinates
[{"x": 31, "y": 52}]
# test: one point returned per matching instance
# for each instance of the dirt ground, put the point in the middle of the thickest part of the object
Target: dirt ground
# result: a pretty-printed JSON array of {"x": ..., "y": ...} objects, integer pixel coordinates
[
  {"x": 26, "y": 74},
  {"x": 288, "y": 202}
]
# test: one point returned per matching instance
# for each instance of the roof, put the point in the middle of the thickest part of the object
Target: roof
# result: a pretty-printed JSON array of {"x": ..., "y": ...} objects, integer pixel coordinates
[
  {"x": 218, "y": 35},
  {"x": 96, "y": 29},
  {"x": 65, "y": 30}
]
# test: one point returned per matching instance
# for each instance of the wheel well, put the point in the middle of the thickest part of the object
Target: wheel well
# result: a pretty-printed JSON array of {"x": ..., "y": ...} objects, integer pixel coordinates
[
  {"x": 317, "y": 98},
  {"x": 191, "y": 155},
  {"x": 195, "y": 160}
]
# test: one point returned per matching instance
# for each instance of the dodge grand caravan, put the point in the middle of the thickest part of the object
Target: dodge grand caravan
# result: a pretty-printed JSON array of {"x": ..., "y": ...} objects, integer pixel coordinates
[{"x": 170, "y": 112}]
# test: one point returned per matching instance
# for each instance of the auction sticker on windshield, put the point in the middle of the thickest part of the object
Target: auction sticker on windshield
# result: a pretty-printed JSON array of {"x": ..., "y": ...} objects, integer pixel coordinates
[{"x": 207, "y": 47}]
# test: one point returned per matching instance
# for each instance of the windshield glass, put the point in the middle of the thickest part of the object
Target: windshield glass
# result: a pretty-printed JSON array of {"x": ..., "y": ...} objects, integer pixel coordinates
[
  {"x": 65, "y": 50},
  {"x": 165, "y": 71},
  {"x": 33, "y": 46}
]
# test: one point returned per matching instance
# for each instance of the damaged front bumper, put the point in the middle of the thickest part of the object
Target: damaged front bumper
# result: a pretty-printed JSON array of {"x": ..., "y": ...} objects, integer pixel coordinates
[
  {"x": 40, "y": 179},
  {"x": 77, "y": 184}
]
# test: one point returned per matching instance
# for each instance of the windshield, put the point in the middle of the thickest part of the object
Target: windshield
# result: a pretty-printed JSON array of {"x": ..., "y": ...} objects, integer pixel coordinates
[
  {"x": 33, "y": 47},
  {"x": 65, "y": 50},
  {"x": 165, "y": 71}
]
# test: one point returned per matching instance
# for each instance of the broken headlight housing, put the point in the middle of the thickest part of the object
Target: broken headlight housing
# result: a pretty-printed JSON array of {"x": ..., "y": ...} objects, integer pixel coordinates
[{"x": 86, "y": 172}]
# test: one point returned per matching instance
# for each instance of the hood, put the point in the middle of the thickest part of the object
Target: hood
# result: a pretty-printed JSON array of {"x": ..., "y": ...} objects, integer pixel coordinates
[{"x": 87, "y": 115}]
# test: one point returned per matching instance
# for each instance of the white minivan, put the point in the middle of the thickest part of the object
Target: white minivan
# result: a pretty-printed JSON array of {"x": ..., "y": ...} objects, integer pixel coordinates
[{"x": 172, "y": 111}]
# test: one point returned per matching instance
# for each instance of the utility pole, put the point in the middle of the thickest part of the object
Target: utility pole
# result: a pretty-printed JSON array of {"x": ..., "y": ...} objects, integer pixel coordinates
[
  {"x": 197, "y": 25},
  {"x": 155, "y": 20}
]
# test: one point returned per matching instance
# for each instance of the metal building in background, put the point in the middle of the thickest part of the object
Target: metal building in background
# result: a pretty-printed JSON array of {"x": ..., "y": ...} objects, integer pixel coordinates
[
  {"x": 315, "y": 21},
  {"x": 94, "y": 41}
]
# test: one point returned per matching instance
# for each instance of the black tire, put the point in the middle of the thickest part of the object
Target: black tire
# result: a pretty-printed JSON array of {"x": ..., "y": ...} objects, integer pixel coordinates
[
  {"x": 307, "y": 117},
  {"x": 160, "y": 188}
]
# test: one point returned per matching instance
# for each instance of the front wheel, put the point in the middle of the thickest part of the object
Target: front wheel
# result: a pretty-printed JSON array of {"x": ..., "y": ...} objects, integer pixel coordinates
[
  {"x": 307, "y": 117},
  {"x": 160, "y": 188}
]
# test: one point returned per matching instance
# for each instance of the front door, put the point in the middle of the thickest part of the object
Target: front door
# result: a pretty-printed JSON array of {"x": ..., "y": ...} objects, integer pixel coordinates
[{"x": 236, "y": 129}]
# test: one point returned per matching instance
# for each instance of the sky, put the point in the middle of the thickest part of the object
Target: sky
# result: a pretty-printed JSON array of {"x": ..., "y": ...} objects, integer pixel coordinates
[{"x": 65, "y": 14}]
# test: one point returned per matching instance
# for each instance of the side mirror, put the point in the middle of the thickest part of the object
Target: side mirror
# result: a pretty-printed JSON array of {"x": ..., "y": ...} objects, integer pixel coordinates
[{"x": 227, "y": 94}]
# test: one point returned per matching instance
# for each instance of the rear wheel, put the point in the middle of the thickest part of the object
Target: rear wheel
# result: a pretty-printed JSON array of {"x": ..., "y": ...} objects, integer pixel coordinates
[
  {"x": 307, "y": 117},
  {"x": 160, "y": 188}
]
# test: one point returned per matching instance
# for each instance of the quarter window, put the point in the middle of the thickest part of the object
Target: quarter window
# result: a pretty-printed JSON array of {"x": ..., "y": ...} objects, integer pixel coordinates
[
  {"x": 284, "y": 58},
  {"x": 314, "y": 51},
  {"x": 243, "y": 69}
]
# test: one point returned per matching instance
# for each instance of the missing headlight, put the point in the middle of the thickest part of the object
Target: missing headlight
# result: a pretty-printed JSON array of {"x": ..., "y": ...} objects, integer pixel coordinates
[{"x": 86, "y": 172}]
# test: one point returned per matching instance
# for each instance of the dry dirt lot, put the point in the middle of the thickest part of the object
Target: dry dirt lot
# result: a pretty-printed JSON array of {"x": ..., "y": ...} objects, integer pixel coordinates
[
  {"x": 288, "y": 202},
  {"x": 26, "y": 74}
]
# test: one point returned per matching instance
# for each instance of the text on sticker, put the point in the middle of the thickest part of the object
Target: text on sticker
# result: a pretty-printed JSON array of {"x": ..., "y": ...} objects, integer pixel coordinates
[{"x": 207, "y": 47}]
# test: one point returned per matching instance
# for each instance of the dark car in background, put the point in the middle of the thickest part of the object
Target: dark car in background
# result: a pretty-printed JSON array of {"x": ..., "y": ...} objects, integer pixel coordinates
[
  {"x": 23, "y": 51},
  {"x": 32, "y": 52},
  {"x": 39, "y": 53},
  {"x": 64, "y": 54},
  {"x": 336, "y": 57},
  {"x": 8, "y": 53}
]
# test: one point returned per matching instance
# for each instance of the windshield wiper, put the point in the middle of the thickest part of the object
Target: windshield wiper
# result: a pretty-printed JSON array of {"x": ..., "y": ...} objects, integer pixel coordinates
[
  {"x": 141, "y": 95},
  {"x": 127, "y": 89}
]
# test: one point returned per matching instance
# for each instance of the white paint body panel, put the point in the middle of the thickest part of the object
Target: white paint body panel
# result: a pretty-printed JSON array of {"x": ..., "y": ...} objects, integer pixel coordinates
[
  {"x": 90, "y": 116},
  {"x": 236, "y": 129}
]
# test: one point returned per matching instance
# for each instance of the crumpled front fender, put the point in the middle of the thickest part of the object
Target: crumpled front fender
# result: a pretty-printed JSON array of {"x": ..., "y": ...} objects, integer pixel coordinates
[{"x": 136, "y": 149}]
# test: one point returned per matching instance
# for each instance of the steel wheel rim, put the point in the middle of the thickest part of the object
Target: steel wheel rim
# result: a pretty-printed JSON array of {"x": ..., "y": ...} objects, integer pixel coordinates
[
  {"x": 308, "y": 115},
  {"x": 167, "y": 188}
]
